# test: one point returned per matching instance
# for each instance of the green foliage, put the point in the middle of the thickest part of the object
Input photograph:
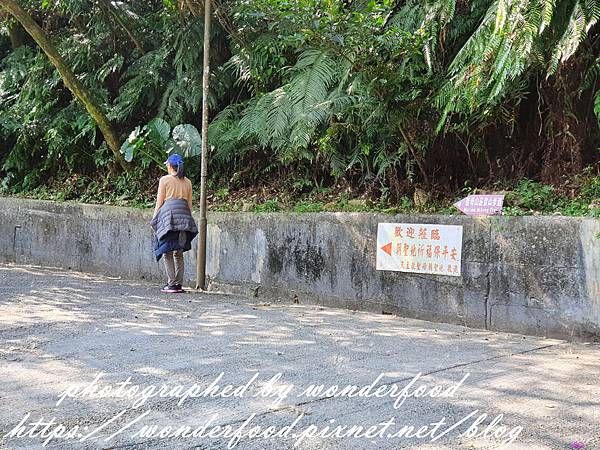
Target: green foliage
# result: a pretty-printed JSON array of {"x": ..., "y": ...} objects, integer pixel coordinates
[
  {"x": 38, "y": 131},
  {"x": 352, "y": 81},
  {"x": 590, "y": 188},
  {"x": 512, "y": 38},
  {"x": 268, "y": 206},
  {"x": 530, "y": 195},
  {"x": 307, "y": 206},
  {"x": 222, "y": 193},
  {"x": 187, "y": 140},
  {"x": 153, "y": 142},
  {"x": 330, "y": 89},
  {"x": 140, "y": 90}
]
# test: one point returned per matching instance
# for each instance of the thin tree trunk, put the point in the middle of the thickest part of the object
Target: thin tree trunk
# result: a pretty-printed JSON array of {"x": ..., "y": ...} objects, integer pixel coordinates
[
  {"x": 68, "y": 77},
  {"x": 16, "y": 36},
  {"x": 201, "y": 257},
  {"x": 416, "y": 157},
  {"x": 564, "y": 130}
]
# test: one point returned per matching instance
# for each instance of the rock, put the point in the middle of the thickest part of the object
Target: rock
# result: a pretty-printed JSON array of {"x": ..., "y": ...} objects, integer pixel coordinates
[{"x": 420, "y": 197}]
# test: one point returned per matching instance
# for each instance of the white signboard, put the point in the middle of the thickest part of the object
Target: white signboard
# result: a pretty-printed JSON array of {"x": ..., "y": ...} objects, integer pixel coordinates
[
  {"x": 481, "y": 205},
  {"x": 420, "y": 248}
]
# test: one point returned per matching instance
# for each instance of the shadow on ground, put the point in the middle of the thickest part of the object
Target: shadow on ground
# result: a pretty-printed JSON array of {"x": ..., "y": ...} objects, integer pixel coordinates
[{"x": 62, "y": 329}]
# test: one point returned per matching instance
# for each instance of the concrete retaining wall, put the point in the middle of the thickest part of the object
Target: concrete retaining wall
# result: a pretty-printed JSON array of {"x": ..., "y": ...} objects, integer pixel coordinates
[{"x": 532, "y": 275}]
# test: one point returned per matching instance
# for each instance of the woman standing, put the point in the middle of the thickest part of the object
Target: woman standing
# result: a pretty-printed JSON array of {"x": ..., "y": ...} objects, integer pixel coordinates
[{"x": 173, "y": 224}]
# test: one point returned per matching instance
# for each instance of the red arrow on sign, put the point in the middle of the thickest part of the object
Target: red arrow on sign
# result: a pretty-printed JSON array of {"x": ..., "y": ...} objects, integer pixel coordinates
[{"x": 387, "y": 248}]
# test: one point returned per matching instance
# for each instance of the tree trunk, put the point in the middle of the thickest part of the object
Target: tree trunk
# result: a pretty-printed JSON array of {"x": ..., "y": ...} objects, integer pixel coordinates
[
  {"x": 15, "y": 33},
  {"x": 68, "y": 77}
]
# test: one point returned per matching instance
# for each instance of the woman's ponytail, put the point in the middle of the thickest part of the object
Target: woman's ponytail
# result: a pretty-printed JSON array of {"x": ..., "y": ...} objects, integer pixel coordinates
[{"x": 175, "y": 162}]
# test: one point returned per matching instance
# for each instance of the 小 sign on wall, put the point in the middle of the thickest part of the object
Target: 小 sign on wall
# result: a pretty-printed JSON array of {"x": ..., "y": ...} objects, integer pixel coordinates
[{"x": 420, "y": 248}]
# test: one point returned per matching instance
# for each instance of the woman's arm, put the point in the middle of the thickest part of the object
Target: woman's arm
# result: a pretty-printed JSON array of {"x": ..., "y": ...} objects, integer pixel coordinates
[
  {"x": 189, "y": 195},
  {"x": 160, "y": 196}
]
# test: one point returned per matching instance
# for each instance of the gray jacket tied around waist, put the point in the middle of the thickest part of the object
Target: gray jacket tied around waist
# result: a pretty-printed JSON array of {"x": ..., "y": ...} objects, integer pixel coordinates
[{"x": 174, "y": 215}]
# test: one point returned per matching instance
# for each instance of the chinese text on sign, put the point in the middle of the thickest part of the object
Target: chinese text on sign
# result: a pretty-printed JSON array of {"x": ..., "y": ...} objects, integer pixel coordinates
[{"x": 420, "y": 248}]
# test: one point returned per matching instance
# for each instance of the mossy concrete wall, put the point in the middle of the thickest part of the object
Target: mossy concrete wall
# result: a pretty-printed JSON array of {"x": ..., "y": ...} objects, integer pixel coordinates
[{"x": 531, "y": 275}]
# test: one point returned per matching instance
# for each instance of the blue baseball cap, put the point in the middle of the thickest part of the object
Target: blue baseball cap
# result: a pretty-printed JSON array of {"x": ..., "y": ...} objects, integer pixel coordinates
[{"x": 175, "y": 160}]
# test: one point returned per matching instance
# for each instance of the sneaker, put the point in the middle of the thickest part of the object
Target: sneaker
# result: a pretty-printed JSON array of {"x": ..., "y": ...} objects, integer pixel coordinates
[
  {"x": 179, "y": 288},
  {"x": 168, "y": 289}
]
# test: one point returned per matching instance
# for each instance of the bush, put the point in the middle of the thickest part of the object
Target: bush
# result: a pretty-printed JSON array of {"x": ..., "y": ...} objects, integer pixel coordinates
[{"x": 531, "y": 195}]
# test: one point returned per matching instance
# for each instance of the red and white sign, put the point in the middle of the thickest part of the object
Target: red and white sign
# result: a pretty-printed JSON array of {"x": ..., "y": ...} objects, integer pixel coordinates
[
  {"x": 420, "y": 248},
  {"x": 481, "y": 205}
]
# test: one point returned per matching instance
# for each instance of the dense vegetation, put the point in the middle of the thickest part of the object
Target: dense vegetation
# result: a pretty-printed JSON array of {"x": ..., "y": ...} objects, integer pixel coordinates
[{"x": 313, "y": 102}]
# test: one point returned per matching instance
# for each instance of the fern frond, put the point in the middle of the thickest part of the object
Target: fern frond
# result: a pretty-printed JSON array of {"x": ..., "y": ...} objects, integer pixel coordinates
[
  {"x": 141, "y": 85},
  {"x": 504, "y": 46},
  {"x": 582, "y": 18},
  {"x": 315, "y": 72}
]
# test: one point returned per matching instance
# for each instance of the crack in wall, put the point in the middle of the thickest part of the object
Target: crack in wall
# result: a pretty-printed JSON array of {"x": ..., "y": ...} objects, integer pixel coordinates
[
  {"x": 488, "y": 318},
  {"x": 17, "y": 227}
]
